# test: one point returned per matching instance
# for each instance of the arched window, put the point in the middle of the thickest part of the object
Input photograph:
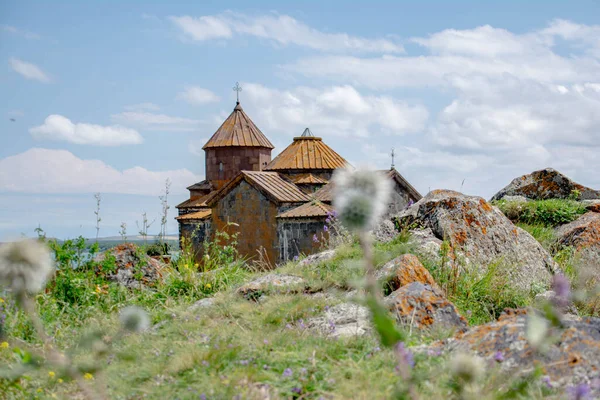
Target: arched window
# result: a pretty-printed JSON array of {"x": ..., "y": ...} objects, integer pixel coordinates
[{"x": 220, "y": 167}]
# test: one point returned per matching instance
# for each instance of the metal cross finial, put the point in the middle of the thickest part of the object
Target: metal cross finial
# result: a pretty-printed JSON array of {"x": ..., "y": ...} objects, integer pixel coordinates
[
  {"x": 237, "y": 88},
  {"x": 392, "y": 154}
]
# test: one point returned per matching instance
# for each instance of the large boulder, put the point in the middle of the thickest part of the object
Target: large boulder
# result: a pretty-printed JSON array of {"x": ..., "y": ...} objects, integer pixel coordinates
[
  {"x": 271, "y": 283},
  {"x": 482, "y": 235},
  {"x": 583, "y": 235},
  {"x": 342, "y": 320},
  {"x": 134, "y": 269},
  {"x": 426, "y": 243},
  {"x": 317, "y": 258},
  {"x": 592, "y": 205},
  {"x": 424, "y": 307},
  {"x": 572, "y": 359},
  {"x": 403, "y": 270},
  {"x": 545, "y": 184}
]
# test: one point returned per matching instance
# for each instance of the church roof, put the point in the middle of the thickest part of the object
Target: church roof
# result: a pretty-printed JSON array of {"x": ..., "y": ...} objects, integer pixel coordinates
[
  {"x": 199, "y": 202},
  {"x": 307, "y": 152},
  {"x": 308, "y": 178},
  {"x": 195, "y": 216},
  {"x": 271, "y": 184},
  {"x": 311, "y": 209},
  {"x": 203, "y": 185},
  {"x": 238, "y": 130}
]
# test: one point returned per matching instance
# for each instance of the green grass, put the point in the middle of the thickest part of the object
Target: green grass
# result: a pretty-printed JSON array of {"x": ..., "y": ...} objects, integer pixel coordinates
[
  {"x": 549, "y": 213},
  {"x": 238, "y": 347}
]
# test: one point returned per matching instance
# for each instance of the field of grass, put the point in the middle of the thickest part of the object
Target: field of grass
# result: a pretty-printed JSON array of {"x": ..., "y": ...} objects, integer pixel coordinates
[{"x": 240, "y": 349}]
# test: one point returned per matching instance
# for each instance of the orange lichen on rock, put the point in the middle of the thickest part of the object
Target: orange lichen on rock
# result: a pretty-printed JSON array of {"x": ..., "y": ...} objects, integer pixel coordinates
[{"x": 404, "y": 270}]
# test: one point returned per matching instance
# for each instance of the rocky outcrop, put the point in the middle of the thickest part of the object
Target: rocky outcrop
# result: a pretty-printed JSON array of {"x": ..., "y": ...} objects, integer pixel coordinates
[
  {"x": 482, "y": 234},
  {"x": 271, "y": 283},
  {"x": 424, "y": 307},
  {"x": 133, "y": 268},
  {"x": 317, "y": 258},
  {"x": 426, "y": 243},
  {"x": 385, "y": 231},
  {"x": 404, "y": 270},
  {"x": 342, "y": 320},
  {"x": 573, "y": 358},
  {"x": 583, "y": 235},
  {"x": 546, "y": 184},
  {"x": 592, "y": 205}
]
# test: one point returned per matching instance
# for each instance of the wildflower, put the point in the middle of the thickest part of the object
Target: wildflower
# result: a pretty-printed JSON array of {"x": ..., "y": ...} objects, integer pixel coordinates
[
  {"x": 25, "y": 266},
  {"x": 562, "y": 290},
  {"x": 361, "y": 197},
  {"x": 499, "y": 357},
  {"x": 88, "y": 377},
  {"x": 134, "y": 319},
  {"x": 208, "y": 286},
  {"x": 467, "y": 368},
  {"x": 404, "y": 356},
  {"x": 196, "y": 265},
  {"x": 244, "y": 362},
  {"x": 287, "y": 372},
  {"x": 1, "y": 300},
  {"x": 315, "y": 238},
  {"x": 51, "y": 374},
  {"x": 536, "y": 330},
  {"x": 301, "y": 323},
  {"x": 296, "y": 258},
  {"x": 39, "y": 390},
  {"x": 202, "y": 396},
  {"x": 296, "y": 390},
  {"x": 60, "y": 380},
  {"x": 4, "y": 345},
  {"x": 580, "y": 392},
  {"x": 325, "y": 228},
  {"x": 265, "y": 341}
]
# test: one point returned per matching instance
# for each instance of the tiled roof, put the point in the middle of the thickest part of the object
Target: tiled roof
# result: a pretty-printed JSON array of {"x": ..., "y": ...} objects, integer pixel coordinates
[
  {"x": 204, "y": 185},
  {"x": 199, "y": 202},
  {"x": 308, "y": 178},
  {"x": 198, "y": 215},
  {"x": 326, "y": 192},
  {"x": 307, "y": 152},
  {"x": 308, "y": 210},
  {"x": 271, "y": 184},
  {"x": 238, "y": 130}
]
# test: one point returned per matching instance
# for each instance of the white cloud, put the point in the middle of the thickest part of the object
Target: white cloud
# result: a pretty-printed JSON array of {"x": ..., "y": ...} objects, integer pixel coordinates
[
  {"x": 59, "y": 171},
  {"x": 197, "y": 95},
  {"x": 28, "y": 70},
  {"x": 57, "y": 127},
  {"x": 142, "y": 107},
  {"x": 280, "y": 29},
  {"x": 153, "y": 121},
  {"x": 338, "y": 110},
  {"x": 20, "y": 32},
  {"x": 195, "y": 146}
]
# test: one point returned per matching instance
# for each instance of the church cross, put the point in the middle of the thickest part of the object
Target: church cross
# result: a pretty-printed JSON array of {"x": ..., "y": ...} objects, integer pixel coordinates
[
  {"x": 393, "y": 154},
  {"x": 237, "y": 88}
]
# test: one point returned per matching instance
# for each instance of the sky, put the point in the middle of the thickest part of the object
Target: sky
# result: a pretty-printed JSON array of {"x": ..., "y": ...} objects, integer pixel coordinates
[{"x": 117, "y": 97}]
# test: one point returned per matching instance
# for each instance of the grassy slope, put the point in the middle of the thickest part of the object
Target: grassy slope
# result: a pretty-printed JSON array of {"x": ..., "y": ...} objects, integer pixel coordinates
[{"x": 237, "y": 347}]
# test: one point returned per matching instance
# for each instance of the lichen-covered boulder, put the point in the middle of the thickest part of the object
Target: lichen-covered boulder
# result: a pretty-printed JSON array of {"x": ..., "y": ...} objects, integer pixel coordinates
[
  {"x": 573, "y": 358},
  {"x": 342, "y": 320},
  {"x": 278, "y": 283},
  {"x": 403, "y": 270},
  {"x": 385, "y": 231},
  {"x": 592, "y": 205},
  {"x": 426, "y": 243},
  {"x": 134, "y": 269},
  {"x": 583, "y": 235},
  {"x": 546, "y": 184},
  {"x": 317, "y": 258},
  {"x": 424, "y": 307},
  {"x": 482, "y": 235}
]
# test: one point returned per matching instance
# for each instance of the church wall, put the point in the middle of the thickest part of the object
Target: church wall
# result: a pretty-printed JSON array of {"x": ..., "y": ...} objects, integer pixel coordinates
[
  {"x": 399, "y": 199},
  {"x": 234, "y": 159},
  {"x": 195, "y": 232},
  {"x": 295, "y": 236}
]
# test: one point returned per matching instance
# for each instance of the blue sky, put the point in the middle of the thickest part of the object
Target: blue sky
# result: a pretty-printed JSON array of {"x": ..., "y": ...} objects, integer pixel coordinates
[{"x": 116, "y": 97}]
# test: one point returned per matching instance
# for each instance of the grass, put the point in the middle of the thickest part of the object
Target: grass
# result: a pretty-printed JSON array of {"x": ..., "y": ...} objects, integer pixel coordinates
[
  {"x": 242, "y": 348},
  {"x": 548, "y": 213}
]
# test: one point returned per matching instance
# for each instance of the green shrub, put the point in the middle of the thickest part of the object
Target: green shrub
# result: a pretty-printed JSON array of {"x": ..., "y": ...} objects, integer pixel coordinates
[{"x": 547, "y": 213}]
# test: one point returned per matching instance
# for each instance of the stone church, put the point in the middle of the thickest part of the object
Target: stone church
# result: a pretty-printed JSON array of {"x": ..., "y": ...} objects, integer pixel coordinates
[{"x": 278, "y": 205}]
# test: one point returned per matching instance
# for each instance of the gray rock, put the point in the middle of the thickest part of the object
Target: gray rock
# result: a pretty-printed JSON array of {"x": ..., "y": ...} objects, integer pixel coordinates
[
  {"x": 592, "y": 205},
  {"x": 403, "y": 270},
  {"x": 385, "y": 231},
  {"x": 426, "y": 243},
  {"x": 583, "y": 235},
  {"x": 133, "y": 268},
  {"x": 202, "y": 303},
  {"x": 483, "y": 235},
  {"x": 342, "y": 320},
  {"x": 271, "y": 283},
  {"x": 545, "y": 184},
  {"x": 424, "y": 307},
  {"x": 519, "y": 199},
  {"x": 317, "y": 258},
  {"x": 572, "y": 359}
]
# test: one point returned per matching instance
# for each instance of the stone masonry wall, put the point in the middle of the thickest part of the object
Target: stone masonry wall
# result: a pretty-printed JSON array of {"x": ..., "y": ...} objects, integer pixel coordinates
[{"x": 295, "y": 236}]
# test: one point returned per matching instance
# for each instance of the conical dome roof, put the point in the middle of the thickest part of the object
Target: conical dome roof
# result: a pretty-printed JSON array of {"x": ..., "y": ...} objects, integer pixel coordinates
[
  {"x": 238, "y": 130},
  {"x": 307, "y": 152}
]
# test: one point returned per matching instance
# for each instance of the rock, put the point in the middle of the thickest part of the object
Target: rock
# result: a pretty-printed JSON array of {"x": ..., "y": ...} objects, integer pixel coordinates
[
  {"x": 385, "y": 231},
  {"x": 424, "y": 307},
  {"x": 483, "y": 235},
  {"x": 317, "y": 258},
  {"x": 133, "y": 268},
  {"x": 516, "y": 199},
  {"x": 202, "y": 303},
  {"x": 404, "y": 270},
  {"x": 549, "y": 296},
  {"x": 277, "y": 283},
  {"x": 592, "y": 205},
  {"x": 583, "y": 234},
  {"x": 426, "y": 243},
  {"x": 342, "y": 320},
  {"x": 545, "y": 184},
  {"x": 573, "y": 358}
]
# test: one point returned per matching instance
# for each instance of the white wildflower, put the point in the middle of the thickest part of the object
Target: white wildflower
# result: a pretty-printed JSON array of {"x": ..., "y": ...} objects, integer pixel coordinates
[
  {"x": 360, "y": 197},
  {"x": 536, "y": 330},
  {"x": 25, "y": 266},
  {"x": 467, "y": 368},
  {"x": 134, "y": 319}
]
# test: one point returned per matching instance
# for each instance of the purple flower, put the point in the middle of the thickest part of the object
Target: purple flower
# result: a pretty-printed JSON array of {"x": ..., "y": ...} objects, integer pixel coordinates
[
  {"x": 546, "y": 380},
  {"x": 404, "y": 356},
  {"x": 562, "y": 290},
  {"x": 301, "y": 323},
  {"x": 202, "y": 396},
  {"x": 244, "y": 362},
  {"x": 287, "y": 372},
  {"x": 499, "y": 357},
  {"x": 580, "y": 392},
  {"x": 303, "y": 371},
  {"x": 328, "y": 221},
  {"x": 315, "y": 238},
  {"x": 296, "y": 258},
  {"x": 265, "y": 341},
  {"x": 205, "y": 363},
  {"x": 288, "y": 326},
  {"x": 325, "y": 228},
  {"x": 296, "y": 390}
]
